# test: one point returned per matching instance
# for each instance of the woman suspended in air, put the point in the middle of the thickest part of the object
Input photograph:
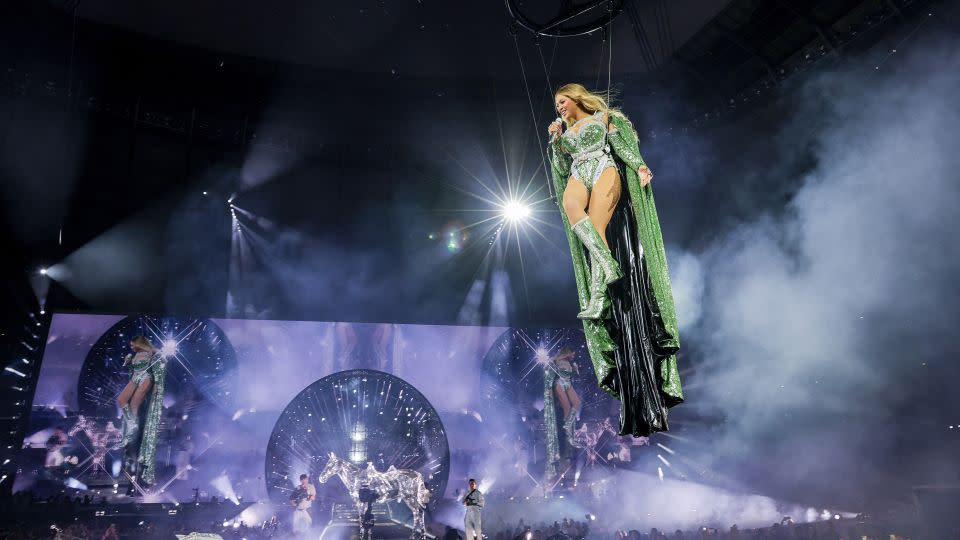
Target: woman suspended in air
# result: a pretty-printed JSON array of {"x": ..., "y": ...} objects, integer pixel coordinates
[{"x": 618, "y": 257}]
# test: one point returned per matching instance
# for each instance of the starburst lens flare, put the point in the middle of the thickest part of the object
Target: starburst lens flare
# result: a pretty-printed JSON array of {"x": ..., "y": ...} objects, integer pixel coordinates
[
  {"x": 515, "y": 211},
  {"x": 169, "y": 348},
  {"x": 542, "y": 356}
]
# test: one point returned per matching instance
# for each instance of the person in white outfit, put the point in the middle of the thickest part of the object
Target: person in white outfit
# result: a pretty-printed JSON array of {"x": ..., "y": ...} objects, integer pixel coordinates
[
  {"x": 302, "y": 499},
  {"x": 471, "y": 521}
]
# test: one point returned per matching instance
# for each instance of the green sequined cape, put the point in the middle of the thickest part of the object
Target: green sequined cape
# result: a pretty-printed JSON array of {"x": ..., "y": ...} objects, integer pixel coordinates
[
  {"x": 623, "y": 142},
  {"x": 147, "y": 457},
  {"x": 551, "y": 425}
]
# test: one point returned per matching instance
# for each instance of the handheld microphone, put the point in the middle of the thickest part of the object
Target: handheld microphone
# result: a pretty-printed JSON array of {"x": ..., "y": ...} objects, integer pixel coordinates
[{"x": 553, "y": 137}]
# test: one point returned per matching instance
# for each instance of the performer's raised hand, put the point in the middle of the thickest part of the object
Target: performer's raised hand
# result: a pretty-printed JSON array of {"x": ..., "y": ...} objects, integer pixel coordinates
[
  {"x": 555, "y": 129},
  {"x": 645, "y": 175}
]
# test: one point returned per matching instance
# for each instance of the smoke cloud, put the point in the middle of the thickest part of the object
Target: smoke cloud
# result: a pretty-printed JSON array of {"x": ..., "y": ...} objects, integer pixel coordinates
[{"x": 825, "y": 324}]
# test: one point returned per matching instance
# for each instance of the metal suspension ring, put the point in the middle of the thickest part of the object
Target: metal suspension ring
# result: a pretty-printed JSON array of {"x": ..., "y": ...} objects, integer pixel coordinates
[{"x": 556, "y": 28}]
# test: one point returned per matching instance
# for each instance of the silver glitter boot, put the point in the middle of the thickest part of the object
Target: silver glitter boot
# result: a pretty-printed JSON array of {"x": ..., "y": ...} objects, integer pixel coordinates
[
  {"x": 604, "y": 269},
  {"x": 599, "y": 301},
  {"x": 568, "y": 425},
  {"x": 591, "y": 239},
  {"x": 130, "y": 426}
]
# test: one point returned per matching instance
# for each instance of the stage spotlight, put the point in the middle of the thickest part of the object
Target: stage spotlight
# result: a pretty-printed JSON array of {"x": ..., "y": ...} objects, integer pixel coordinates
[
  {"x": 43, "y": 312},
  {"x": 15, "y": 372},
  {"x": 43, "y": 271},
  {"x": 515, "y": 211}
]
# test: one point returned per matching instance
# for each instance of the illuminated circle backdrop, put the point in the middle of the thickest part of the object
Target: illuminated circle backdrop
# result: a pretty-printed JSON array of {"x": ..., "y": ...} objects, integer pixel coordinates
[
  {"x": 361, "y": 415},
  {"x": 201, "y": 364}
]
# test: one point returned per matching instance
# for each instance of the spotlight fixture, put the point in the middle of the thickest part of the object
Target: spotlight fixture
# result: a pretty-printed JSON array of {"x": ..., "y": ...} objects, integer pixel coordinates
[
  {"x": 15, "y": 372},
  {"x": 43, "y": 271}
]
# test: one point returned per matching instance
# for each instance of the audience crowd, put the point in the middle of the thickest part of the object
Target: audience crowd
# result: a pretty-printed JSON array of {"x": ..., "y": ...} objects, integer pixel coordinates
[{"x": 23, "y": 517}]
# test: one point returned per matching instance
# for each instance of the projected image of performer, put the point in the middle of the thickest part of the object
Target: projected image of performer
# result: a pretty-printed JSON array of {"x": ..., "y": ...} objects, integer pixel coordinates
[
  {"x": 301, "y": 500},
  {"x": 564, "y": 368},
  {"x": 147, "y": 369},
  {"x": 471, "y": 520},
  {"x": 619, "y": 261}
]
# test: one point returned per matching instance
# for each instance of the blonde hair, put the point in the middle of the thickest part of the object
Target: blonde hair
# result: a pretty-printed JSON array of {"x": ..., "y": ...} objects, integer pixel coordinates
[
  {"x": 144, "y": 343},
  {"x": 590, "y": 102}
]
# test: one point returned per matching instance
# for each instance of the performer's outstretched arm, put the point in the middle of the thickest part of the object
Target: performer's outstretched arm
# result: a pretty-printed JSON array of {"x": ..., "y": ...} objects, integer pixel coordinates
[{"x": 625, "y": 149}]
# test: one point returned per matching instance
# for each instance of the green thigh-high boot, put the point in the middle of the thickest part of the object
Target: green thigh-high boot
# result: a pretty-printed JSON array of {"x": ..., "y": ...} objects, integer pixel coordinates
[
  {"x": 130, "y": 426},
  {"x": 604, "y": 269}
]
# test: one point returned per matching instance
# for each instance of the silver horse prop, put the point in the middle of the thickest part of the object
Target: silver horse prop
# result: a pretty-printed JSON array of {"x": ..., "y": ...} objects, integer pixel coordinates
[{"x": 403, "y": 485}]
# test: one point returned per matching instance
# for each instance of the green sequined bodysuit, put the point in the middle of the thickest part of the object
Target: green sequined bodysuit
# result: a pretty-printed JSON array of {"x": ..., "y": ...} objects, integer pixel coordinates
[
  {"x": 585, "y": 150},
  {"x": 586, "y": 144},
  {"x": 140, "y": 367}
]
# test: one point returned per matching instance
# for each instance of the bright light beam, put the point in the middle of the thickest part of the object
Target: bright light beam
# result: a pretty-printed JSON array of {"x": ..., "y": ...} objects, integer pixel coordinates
[{"x": 515, "y": 211}]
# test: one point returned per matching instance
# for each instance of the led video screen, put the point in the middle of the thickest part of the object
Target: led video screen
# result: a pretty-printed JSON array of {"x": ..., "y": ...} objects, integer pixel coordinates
[{"x": 176, "y": 409}]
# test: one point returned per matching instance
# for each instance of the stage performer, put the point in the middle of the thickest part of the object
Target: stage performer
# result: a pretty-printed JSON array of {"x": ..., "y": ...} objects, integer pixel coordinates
[
  {"x": 471, "y": 520},
  {"x": 301, "y": 500},
  {"x": 558, "y": 375},
  {"x": 147, "y": 371},
  {"x": 618, "y": 258}
]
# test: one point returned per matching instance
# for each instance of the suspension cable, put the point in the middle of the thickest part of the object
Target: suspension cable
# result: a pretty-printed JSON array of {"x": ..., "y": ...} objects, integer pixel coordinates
[
  {"x": 603, "y": 43},
  {"x": 533, "y": 115},
  {"x": 609, "y": 51},
  {"x": 543, "y": 61}
]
